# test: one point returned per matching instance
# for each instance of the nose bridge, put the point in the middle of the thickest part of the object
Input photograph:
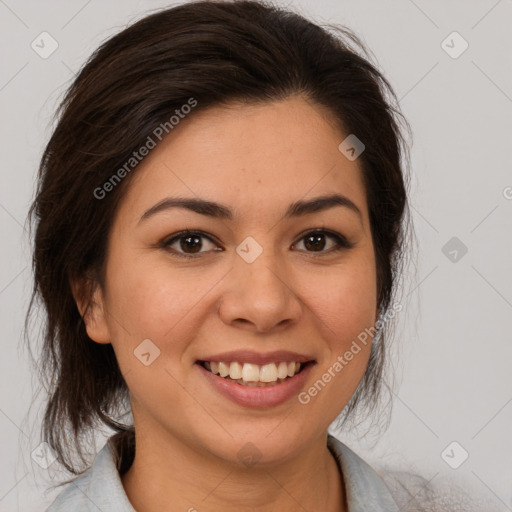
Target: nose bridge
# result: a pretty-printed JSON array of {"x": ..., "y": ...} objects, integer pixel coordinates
[
  {"x": 259, "y": 293},
  {"x": 259, "y": 268}
]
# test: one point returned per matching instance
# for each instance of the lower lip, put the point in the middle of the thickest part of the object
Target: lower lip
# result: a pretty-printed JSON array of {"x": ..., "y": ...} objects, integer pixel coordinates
[{"x": 258, "y": 397}]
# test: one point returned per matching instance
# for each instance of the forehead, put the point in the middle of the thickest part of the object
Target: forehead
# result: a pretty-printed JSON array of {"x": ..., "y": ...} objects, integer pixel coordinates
[{"x": 252, "y": 157}]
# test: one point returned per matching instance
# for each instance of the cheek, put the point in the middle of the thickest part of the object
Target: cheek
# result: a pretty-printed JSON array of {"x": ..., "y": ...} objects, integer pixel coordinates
[
  {"x": 152, "y": 299},
  {"x": 345, "y": 299},
  {"x": 148, "y": 302},
  {"x": 158, "y": 302},
  {"x": 344, "y": 304}
]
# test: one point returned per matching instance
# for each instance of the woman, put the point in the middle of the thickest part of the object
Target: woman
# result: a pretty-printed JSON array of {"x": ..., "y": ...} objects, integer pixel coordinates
[{"x": 221, "y": 218}]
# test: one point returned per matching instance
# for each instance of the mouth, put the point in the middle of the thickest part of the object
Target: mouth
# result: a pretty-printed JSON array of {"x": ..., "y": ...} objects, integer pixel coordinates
[
  {"x": 256, "y": 375},
  {"x": 254, "y": 379}
]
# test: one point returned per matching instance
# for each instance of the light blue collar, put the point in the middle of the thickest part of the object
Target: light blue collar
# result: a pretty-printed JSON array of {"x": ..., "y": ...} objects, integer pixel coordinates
[
  {"x": 364, "y": 488},
  {"x": 100, "y": 488}
]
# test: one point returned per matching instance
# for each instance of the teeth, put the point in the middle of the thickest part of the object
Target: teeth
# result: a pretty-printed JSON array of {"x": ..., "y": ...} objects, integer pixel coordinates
[
  {"x": 282, "y": 370},
  {"x": 223, "y": 369},
  {"x": 252, "y": 374},
  {"x": 268, "y": 373},
  {"x": 235, "y": 371}
]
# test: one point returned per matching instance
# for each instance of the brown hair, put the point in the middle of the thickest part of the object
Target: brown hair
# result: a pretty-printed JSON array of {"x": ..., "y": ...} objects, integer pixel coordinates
[{"x": 214, "y": 52}]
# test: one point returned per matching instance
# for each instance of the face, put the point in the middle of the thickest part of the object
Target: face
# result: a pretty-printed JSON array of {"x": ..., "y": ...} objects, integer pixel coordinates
[{"x": 259, "y": 284}]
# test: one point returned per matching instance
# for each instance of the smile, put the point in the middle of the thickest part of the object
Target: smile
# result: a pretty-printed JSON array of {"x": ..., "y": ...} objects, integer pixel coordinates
[
  {"x": 254, "y": 375},
  {"x": 260, "y": 381}
]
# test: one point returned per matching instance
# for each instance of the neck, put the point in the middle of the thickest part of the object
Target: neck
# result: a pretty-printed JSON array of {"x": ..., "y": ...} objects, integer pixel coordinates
[{"x": 168, "y": 475}]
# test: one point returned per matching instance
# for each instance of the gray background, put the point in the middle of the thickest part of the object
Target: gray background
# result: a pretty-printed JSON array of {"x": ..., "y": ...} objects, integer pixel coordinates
[{"x": 454, "y": 351}]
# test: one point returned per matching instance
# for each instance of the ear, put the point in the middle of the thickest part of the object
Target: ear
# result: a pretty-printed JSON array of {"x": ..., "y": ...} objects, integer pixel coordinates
[{"x": 90, "y": 302}]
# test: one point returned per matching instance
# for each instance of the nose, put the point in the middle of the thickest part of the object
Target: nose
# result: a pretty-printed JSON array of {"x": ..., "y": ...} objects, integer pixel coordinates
[{"x": 260, "y": 296}]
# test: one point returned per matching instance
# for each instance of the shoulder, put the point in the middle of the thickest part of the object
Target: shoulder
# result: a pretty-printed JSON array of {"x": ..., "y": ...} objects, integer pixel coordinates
[
  {"x": 402, "y": 491},
  {"x": 365, "y": 489},
  {"x": 440, "y": 493},
  {"x": 99, "y": 488},
  {"x": 74, "y": 495}
]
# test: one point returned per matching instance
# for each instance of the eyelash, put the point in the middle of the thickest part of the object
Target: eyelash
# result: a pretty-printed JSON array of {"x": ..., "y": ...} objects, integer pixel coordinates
[{"x": 341, "y": 242}]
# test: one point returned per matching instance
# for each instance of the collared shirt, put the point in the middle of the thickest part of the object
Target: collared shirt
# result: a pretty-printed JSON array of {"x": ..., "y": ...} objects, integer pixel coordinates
[{"x": 100, "y": 489}]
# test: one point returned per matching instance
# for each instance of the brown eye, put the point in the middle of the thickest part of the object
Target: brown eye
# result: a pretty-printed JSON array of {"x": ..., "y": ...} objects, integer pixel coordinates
[
  {"x": 192, "y": 243},
  {"x": 317, "y": 241},
  {"x": 187, "y": 244}
]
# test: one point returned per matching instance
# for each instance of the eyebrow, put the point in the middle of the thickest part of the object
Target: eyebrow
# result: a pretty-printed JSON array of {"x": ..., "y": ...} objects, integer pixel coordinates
[{"x": 219, "y": 211}]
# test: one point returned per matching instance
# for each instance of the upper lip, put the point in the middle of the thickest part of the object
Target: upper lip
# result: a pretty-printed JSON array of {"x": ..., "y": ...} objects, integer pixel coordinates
[{"x": 259, "y": 358}]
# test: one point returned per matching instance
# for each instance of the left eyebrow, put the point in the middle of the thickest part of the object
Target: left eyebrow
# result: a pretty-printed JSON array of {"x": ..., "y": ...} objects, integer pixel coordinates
[
  {"x": 318, "y": 204},
  {"x": 219, "y": 211}
]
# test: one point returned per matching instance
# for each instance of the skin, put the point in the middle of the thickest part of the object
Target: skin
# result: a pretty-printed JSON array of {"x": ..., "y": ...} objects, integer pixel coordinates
[{"x": 255, "y": 159}]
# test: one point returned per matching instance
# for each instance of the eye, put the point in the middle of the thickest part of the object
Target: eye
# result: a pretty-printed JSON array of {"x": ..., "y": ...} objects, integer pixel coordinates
[
  {"x": 187, "y": 244},
  {"x": 190, "y": 244},
  {"x": 317, "y": 241}
]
